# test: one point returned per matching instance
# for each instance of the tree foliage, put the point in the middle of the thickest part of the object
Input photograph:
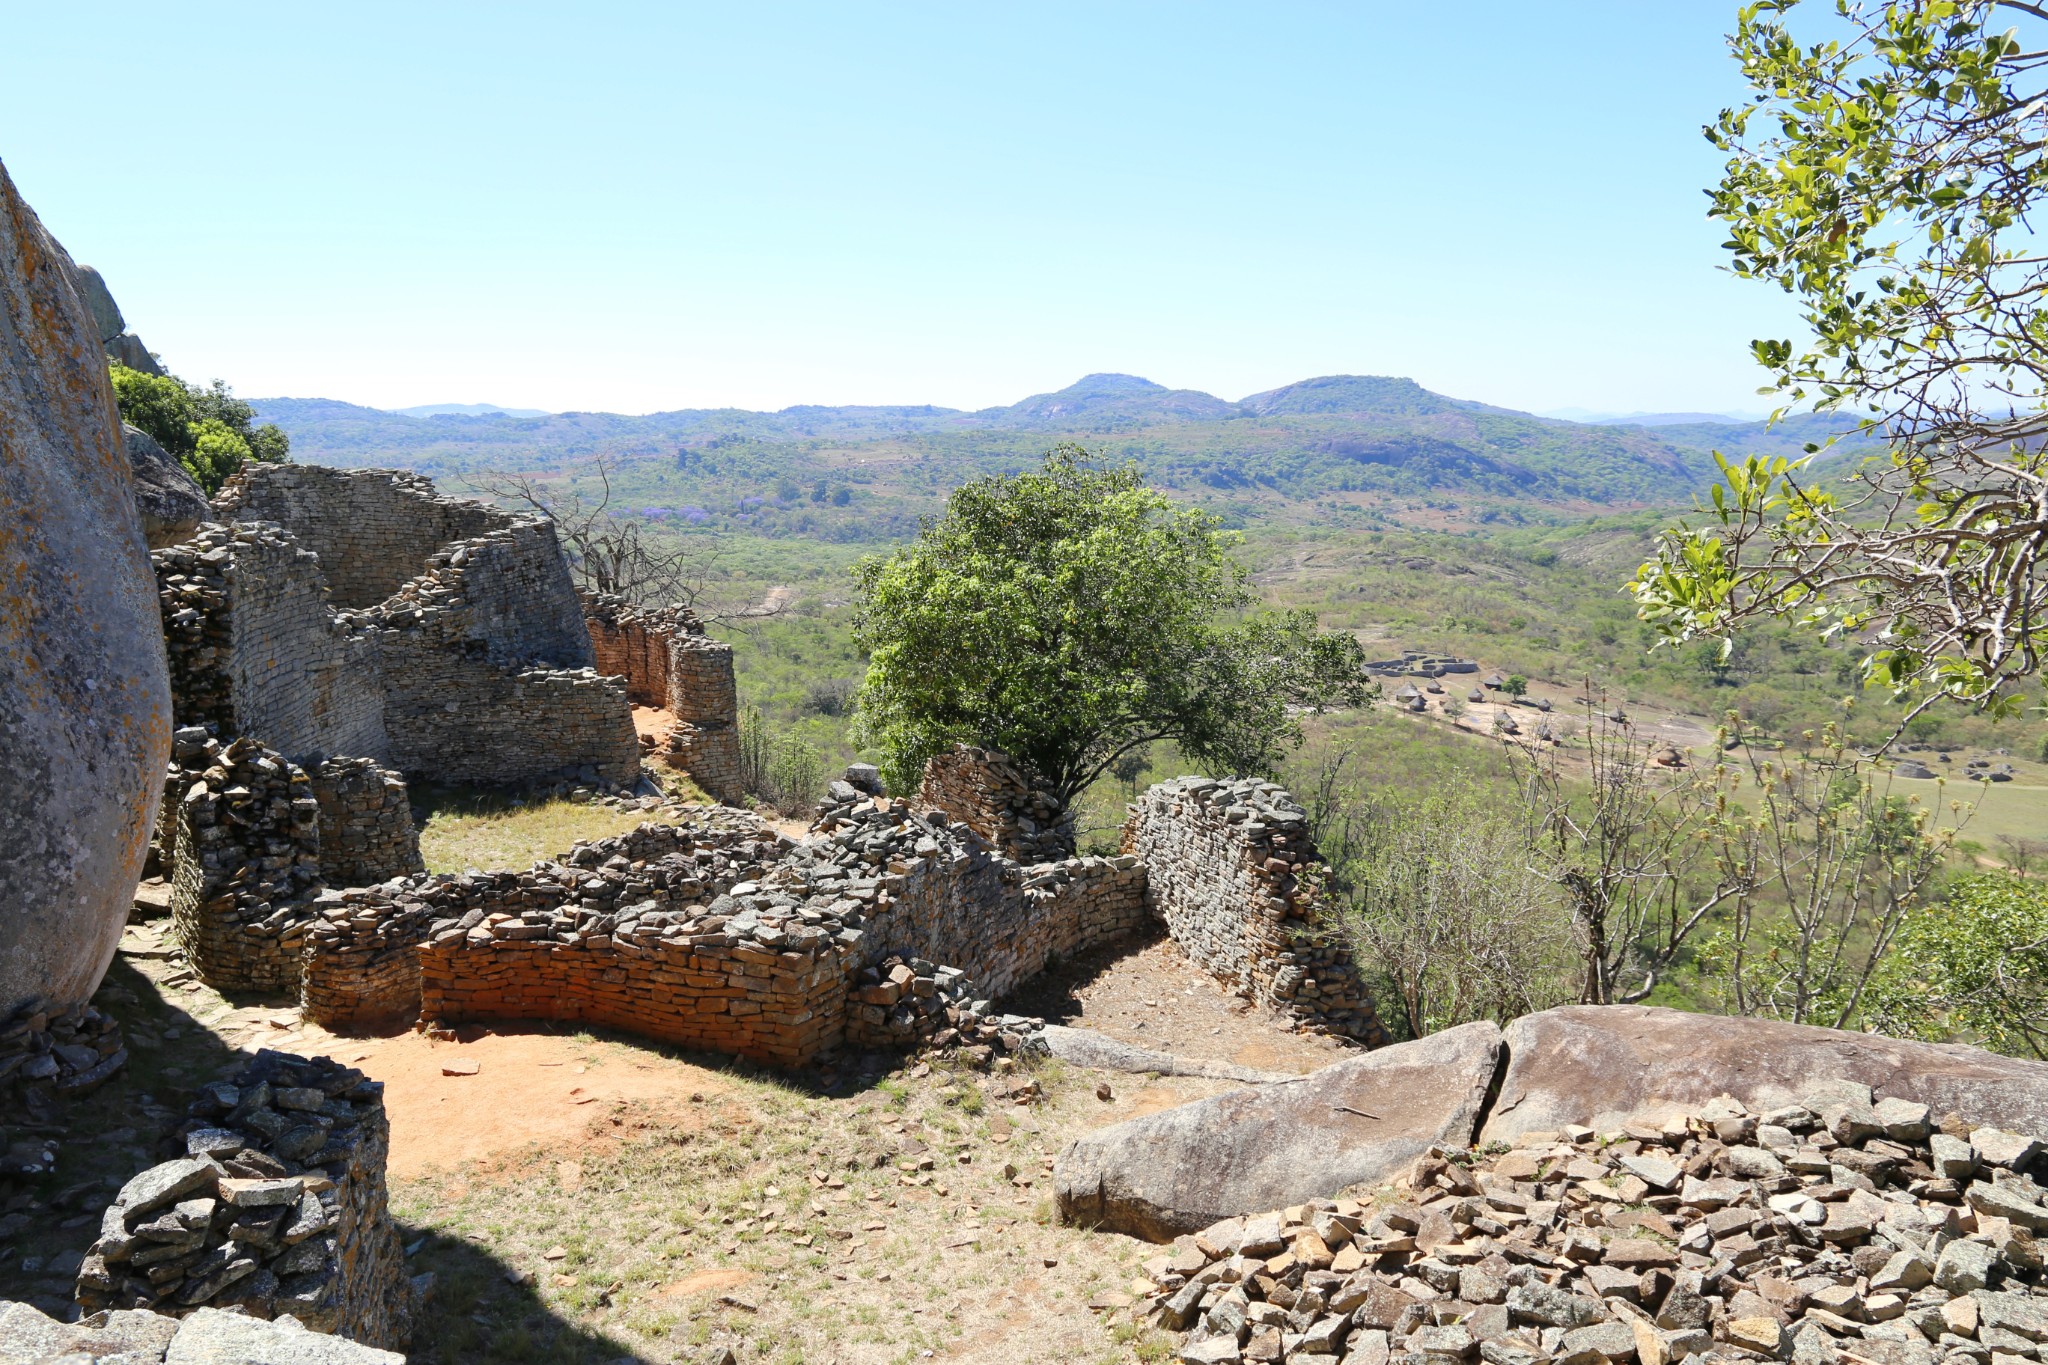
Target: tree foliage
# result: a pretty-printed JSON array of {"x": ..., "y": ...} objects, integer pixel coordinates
[
  {"x": 207, "y": 430},
  {"x": 1975, "y": 963},
  {"x": 1885, "y": 174},
  {"x": 1070, "y": 615},
  {"x": 1440, "y": 900}
]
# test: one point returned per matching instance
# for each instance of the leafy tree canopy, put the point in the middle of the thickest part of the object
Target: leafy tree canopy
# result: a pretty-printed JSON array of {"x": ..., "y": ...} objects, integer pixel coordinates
[
  {"x": 1885, "y": 172},
  {"x": 207, "y": 430},
  {"x": 1976, "y": 963},
  {"x": 1071, "y": 615}
]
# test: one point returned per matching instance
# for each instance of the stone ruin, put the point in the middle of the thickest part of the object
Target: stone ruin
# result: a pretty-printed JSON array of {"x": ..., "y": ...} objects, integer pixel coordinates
[
  {"x": 274, "y": 1205},
  {"x": 670, "y": 664},
  {"x": 999, "y": 800},
  {"x": 890, "y": 925}
]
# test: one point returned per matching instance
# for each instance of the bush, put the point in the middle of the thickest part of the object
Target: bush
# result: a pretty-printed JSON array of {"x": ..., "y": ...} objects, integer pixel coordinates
[
  {"x": 207, "y": 430},
  {"x": 1974, "y": 965},
  {"x": 1439, "y": 896},
  {"x": 783, "y": 770}
]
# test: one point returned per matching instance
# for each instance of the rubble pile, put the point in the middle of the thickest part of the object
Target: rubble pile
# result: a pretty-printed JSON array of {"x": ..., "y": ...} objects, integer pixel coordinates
[
  {"x": 276, "y": 1208},
  {"x": 1845, "y": 1230},
  {"x": 59, "y": 1053},
  {"x": 920, "y": 1003}
]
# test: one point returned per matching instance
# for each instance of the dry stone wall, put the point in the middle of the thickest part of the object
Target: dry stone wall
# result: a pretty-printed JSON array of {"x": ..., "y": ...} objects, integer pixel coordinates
[
  {"x": 360, "y": 971},
  {"x": 995, "y": 797},
  {"x": 246, "y": 866},
  {"x": 460, "y": 652},
  {"x": 1229, "y": 867},
  {"x": 374, "y": 529},
  {"x": 256, "y": 650},
  {"x": 366, "y": 828},
  {"x": 670, "y": 663},
  {"x": 276, "y": 1207},
  {"x": 50, "y": 1054},
  {"x": 487, "y": 668}
]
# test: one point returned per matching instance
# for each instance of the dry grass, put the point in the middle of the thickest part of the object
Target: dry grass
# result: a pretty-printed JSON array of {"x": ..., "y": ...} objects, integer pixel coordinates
[
  {"x": 466, "y": 829},
  {"x": 749, "y": 1220}
]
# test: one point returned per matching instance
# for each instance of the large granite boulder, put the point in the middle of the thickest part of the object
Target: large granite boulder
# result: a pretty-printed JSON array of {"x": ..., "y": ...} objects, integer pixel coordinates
[
  {"x": 115, "y": 339},
  {"x": 1598, "y": 1064},
  {"x": 170, "y": 500},
  {"x": 1361, "y": 1121},
  {"x": 85, "y": 703}
]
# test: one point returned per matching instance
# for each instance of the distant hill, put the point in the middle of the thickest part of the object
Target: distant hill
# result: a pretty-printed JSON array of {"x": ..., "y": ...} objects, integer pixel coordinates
[
  {"x": 1331, "y": 435},
  {"x": 467, "y": 410}
]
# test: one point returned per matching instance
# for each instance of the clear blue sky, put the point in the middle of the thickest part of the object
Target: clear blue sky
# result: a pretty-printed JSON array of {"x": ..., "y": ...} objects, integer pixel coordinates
[{"x": 638, "y": 207}]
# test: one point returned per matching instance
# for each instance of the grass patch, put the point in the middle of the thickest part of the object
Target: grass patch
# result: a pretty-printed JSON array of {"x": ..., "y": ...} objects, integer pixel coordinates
[{"x": 465, "y": 828}]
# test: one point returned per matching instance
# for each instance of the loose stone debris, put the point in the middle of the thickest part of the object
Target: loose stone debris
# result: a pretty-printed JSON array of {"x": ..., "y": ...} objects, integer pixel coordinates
[{"x": 1845, "y": 1230}]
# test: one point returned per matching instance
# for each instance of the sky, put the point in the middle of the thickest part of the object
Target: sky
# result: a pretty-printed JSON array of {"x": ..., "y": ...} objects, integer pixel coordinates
[{"x": 633, "y": 208}]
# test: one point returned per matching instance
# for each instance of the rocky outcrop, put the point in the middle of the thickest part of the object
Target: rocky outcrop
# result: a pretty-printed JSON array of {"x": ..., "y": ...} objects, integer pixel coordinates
[
  {"x": 1598, "y": 1064},
  {"x": 170, "y": 500},
  {"x": 115, "y": 339},
  {"x": 85, "y": 714},
  {"x": 1361, "y": 1121},
  {"x": 208, "y": 1337}
]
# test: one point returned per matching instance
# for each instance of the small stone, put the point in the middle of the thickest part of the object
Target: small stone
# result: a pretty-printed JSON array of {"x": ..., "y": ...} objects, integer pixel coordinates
[
  {"x": 1964, "y": 1266},
  {"x": 1763, "y": 1335},
  {"x": 1996, "y": 1147}
]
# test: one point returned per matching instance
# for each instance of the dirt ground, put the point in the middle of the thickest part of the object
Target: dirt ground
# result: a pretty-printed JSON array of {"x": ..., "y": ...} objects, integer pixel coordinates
[{"x": 584, "y": 1198}]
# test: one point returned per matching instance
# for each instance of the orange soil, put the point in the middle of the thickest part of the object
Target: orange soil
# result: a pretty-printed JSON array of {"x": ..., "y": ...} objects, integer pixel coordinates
[{"x": 530, "y": 1087}]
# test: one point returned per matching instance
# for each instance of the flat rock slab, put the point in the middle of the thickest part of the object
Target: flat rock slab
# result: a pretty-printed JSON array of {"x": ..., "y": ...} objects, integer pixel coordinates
[
  {"x": 1100, "y": 1052},
  {"x": 1600, "y": 1064},
  {"x": 212, "y": 1337},
  {"x": 1361, "y": 1121}
]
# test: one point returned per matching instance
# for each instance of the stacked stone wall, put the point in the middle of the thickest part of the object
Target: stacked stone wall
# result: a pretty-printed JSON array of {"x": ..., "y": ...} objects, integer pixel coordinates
[
  {"x": 374, "y": 529},
  {"x": 487, "y": 669},
  {"x": 56, "y": 1053},
  {"x": 256, "y": 650},
  {"x": 361, "y": 965},
  {"x": 276, "y": 1206},
  {"x": 995, "y": 797},
  {"x": 246, "y": 866},
  {"x": 1231, "y": 867},
  {"x": 366, "y": 827},
  {"x": 669, "y": 663}
]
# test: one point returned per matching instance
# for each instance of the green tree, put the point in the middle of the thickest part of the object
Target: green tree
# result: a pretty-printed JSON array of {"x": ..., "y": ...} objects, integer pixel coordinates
[
  {"x": 1071, "y": 615},
  {"x": 207, "y": 430},
  {"x": 1886, "y": 173},
  {"x": 1516, "y": 685},
  {"x": 1975, "y": 964}
]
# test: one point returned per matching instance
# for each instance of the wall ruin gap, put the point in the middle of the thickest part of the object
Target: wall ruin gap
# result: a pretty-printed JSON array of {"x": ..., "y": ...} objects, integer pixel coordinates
[{"x": 671, "y": 664}]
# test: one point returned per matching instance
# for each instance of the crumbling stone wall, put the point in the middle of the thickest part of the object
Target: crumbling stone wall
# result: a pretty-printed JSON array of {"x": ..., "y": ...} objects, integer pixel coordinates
[
  {"x": 374, "y": 529},
  {"x": 994, "y": 796},
  {"x": 1229, "y": 866},
  {"x": 487, "y": 668},
  {"x": 277, "y": 1206},
  {"x": 671, "y": 664},
  {"x": 460, "y": 654},
  {"x": 366, "y": 829},
  {"x": 245, "y": 867},
  {"x": 47, "y": 1054},
  {"x": 255, "y": 649},
  {"x": 740, "y": 944}
]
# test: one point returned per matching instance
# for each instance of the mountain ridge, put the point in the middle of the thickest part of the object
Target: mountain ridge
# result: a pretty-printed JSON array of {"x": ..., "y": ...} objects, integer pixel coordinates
[{"x": 1329, "y": 433}]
